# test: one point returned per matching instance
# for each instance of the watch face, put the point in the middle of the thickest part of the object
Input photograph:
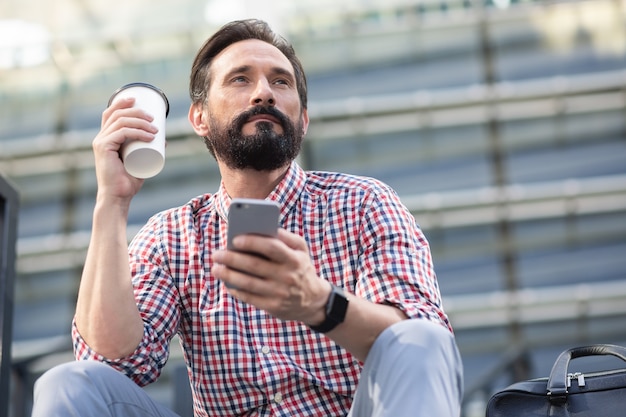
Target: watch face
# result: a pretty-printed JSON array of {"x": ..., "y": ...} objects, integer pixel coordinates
[
  {"x": 337, "y": 305},
  {"x": 336, "y": 308}
]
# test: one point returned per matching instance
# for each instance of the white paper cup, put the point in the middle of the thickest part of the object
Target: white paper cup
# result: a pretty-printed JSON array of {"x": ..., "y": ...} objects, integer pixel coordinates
[{"x": 145, "y": 159}]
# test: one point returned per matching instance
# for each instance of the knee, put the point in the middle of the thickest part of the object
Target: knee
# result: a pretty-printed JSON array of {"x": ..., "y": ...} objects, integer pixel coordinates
[
  {"x": 415, "y": 334},
  {"x": 420, "y": 334},
  {"x": 417, "y": 346},
  {"x": 57, "y": 376},
  {"x": 70, "y": 374},
  {"x": 414, "y": 368}
]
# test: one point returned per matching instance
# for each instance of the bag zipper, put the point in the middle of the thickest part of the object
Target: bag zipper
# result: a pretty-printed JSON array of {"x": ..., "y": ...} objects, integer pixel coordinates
[{"x": 578, "y": 376}]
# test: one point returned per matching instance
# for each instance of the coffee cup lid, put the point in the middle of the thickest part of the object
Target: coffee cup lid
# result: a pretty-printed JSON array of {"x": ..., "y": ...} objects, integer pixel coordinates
[{"x": 139, "y": 84}]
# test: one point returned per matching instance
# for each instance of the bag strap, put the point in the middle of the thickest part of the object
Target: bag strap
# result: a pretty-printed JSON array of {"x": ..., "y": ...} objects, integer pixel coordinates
[{"x": 557, "y": 383}]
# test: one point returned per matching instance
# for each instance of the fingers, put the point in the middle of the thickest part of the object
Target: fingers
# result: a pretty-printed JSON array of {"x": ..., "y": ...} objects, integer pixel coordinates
[
  {"x": 288, "y": 251},
  {"x": 246, "y": 282},
  {"x": 255, "y": 260},
  {"x": 122, "y": 121},
  {"x": 239, "y": 269},
  {"x": 272, "y": 294},
  {"x": 271, "y": 248},
  {"x": 122, "y": 104}
]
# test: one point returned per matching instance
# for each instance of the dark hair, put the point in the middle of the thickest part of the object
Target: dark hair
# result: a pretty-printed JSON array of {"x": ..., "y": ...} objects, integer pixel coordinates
[{"x": 240, "y": 30}]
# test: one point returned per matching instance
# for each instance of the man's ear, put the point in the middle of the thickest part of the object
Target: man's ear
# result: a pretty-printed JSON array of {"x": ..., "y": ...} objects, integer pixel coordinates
[
  {"x": 305, "y": 121},
  {"x": 197, "y": 119}
]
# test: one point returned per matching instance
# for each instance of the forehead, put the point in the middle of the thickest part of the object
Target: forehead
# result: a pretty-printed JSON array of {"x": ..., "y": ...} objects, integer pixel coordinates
[{"x": 251, "y": 53}]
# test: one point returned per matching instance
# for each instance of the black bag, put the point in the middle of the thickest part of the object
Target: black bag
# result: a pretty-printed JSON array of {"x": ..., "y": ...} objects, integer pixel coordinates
[{"x": 599, "y": 394}]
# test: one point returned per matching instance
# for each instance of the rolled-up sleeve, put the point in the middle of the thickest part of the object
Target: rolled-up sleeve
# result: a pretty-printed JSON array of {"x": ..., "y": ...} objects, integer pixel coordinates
[{"x": 395, "y": 266}]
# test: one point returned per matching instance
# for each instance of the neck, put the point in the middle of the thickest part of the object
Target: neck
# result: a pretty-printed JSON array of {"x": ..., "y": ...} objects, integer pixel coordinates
[{"x": 249, "y": 183}]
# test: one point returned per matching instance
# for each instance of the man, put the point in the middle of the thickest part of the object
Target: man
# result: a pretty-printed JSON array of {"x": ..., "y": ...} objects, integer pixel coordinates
[{"x": 344, "y": 296}]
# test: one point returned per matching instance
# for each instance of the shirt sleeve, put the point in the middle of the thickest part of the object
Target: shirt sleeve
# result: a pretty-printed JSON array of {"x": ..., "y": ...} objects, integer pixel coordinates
[
  {"x": 156, "y": 297},
  {"x": 395, "y": 266}
]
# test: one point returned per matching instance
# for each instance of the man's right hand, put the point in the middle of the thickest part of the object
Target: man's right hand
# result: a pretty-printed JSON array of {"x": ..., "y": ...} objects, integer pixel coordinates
[{"x": 119, "y": 121}]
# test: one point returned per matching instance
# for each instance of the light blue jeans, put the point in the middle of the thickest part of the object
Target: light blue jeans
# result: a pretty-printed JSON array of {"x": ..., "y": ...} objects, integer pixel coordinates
[{"x": 413, "y": 369}]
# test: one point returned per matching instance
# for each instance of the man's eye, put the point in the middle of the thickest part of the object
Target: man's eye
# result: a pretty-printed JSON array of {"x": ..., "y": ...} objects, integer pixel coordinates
[{"x": 239, "y": 79}]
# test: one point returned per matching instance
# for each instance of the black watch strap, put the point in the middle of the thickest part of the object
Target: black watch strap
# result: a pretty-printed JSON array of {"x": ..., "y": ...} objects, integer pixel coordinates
[{"x": 336, "y": 308}]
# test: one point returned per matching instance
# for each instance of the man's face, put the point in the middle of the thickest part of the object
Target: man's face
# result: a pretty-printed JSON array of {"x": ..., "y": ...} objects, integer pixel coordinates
[{"x": 254, "y": 116}]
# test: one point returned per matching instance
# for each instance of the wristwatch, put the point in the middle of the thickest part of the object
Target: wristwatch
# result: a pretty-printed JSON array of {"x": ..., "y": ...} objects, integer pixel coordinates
[{"x": 336, "y": 308}]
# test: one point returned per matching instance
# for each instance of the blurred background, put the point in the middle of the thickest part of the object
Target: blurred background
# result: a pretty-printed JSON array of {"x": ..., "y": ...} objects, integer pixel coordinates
[{"x": 501, "y": 124}]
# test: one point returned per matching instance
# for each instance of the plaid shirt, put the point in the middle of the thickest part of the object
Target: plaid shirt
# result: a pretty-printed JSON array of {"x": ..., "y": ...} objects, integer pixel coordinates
[{"x": 242, "y": 361}]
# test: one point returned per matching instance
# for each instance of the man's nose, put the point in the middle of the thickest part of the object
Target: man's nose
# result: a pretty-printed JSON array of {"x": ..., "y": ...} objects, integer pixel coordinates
[{"x": 263, "y": 94}]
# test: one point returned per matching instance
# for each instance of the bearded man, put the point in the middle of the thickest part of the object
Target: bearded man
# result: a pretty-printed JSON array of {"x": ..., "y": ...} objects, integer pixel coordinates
[{"x": 339, "y": 315}]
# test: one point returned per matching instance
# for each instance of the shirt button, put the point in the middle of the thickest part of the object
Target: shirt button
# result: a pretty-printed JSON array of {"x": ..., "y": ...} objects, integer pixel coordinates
[
  {"x": 265, "y": 350},
  {"x": 278, "y": 398}
]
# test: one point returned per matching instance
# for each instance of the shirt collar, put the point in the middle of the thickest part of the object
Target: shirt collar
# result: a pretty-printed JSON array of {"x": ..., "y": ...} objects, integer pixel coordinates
[{"x": 286, "y": 193}]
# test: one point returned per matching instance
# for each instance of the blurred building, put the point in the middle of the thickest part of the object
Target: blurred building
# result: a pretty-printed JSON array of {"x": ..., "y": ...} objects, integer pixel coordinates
[{"x": 501, "y": 124}]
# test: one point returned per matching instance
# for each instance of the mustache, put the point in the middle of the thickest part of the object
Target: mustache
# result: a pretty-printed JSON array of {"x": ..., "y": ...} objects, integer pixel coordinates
[{"x": 246, "y": 115}]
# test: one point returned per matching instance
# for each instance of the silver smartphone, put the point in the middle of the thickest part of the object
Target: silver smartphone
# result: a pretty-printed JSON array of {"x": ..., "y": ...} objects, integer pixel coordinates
[{"x": 251, "y": 216}]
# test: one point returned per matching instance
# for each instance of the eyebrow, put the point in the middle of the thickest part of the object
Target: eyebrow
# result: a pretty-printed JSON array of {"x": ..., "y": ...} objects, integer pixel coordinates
[{"x": 247, "y": 68}]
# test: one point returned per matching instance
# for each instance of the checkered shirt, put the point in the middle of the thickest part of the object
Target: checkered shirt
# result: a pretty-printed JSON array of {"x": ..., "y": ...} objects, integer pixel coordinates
[{"x": 242, "y": 361}]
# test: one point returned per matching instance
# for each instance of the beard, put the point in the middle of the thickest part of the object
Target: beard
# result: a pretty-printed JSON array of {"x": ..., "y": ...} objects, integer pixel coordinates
[{"x": 265, "y": 150}]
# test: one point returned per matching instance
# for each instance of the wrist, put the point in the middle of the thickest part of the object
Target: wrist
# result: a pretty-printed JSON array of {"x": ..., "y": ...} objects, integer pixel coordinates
[
  {"x": 319, "y": 309},
  {"x": 110, "y": 216},
  {"x": 110, "y": 203}
]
